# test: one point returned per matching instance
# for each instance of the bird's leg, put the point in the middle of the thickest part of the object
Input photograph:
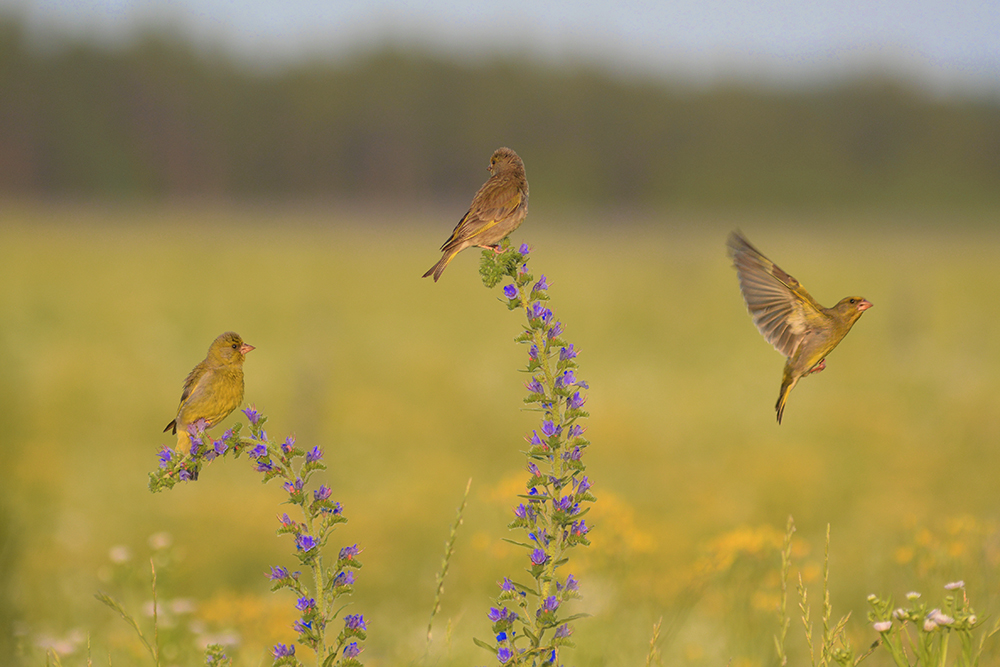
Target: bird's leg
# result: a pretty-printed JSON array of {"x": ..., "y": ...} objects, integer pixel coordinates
[{"x": 818, "y": 367}]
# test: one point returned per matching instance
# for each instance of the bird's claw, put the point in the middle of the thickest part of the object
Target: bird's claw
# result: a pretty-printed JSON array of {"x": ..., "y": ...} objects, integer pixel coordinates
[{"x": 818, "y": 367}]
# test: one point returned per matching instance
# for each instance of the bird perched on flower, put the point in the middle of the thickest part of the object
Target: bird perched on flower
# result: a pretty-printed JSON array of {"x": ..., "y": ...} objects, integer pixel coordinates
[
  {"x": 788, "y": 317},
  {"x": 213, "y": 389},
  {"x": 497, "y": 209}
]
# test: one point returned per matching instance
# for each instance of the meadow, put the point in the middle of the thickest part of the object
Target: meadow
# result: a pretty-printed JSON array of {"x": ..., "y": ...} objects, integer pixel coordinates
[{"x": 412, "y": 388}]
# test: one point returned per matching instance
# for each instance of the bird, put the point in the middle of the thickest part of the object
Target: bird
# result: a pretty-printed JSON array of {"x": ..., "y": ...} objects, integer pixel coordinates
[
  {"x": 213, "y": 389},
  {"x": 497, "y": 210},
  {"x": 788, "y": 317}
]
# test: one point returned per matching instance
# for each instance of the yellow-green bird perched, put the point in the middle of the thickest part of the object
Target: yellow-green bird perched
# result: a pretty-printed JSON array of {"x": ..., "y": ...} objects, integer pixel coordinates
[
  {"x": 213, "y": 389},
  {"x": 787, "y": 317},
  {"x": 497, "y": 209}
]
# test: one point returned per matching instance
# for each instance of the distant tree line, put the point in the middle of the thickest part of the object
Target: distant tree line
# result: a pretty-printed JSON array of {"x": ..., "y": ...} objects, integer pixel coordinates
[{"x": 161, "y": 118}]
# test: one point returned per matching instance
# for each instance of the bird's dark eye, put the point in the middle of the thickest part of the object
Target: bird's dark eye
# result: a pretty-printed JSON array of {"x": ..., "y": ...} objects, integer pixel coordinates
[
  {"x": 854, "y": 300},
  {"x": 236, "y": 346}
]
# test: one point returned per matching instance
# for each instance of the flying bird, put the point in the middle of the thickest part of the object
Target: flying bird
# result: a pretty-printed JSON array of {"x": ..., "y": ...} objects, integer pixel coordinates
[
  {"x": 213, "y": 389},
  {"x": 788, "y": 317},
  {"x": 497, "y": 210}
]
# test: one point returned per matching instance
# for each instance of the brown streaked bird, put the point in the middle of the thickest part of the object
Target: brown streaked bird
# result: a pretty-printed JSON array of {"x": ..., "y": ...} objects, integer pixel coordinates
[
  {"x": 497, "y": 210},
  {"x": 213, "y": 389},
  {"x": 788, "y": 317}
]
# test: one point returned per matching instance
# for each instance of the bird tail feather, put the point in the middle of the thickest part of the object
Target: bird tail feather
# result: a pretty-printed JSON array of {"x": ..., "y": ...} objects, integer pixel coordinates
[{"x": 438, "y": 268}]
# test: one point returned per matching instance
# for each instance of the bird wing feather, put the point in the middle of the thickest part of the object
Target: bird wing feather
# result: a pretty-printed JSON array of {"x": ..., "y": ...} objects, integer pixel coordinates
[{"x": 781, "y": 308}]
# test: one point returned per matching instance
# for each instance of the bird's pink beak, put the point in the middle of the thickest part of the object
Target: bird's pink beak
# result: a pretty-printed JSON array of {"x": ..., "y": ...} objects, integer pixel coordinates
[
  {"x": 862, "y": 307},
  {"x": 246, "y": 348}
]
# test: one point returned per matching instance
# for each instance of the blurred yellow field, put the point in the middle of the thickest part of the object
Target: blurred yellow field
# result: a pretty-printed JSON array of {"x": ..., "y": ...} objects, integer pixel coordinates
[{"x": 413, "y": 387}]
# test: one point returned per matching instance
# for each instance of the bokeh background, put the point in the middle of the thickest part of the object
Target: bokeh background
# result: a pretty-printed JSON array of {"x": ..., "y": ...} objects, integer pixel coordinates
[{"x": 172, "y": 170}]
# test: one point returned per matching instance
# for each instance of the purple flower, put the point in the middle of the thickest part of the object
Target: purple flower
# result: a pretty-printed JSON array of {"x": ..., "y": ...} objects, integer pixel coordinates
[
  {"x": 196, "y": 444},
  {"x": 258, "y": 451},
  {"x": 277, "y": 573},
  {"x": 524, "y": 512},
  {"x": 220, "y": 446},
  {"x": 550, "y": 429},
  {"x": 555, "y": 331},
  {"x": 575, "y": 431},
  {"x": 263, "y": 435},
  {"x": 322, "y": 493},
  {"x": 563, "y": 631},
  {"x": 301, "y": 626},
  {"x": 538, "y": 557},
  {"x": 347, "y": 553},
  {"x": 343, "y": 579},
  {"x": 583, "y": 486},
  {"x": 501, "y": 637},
  {"x": 304, "y": 603},
  {"x": 286, "y": 520},
  {"x": 282, "y": 651},
  {"x": 495, "y": 614},
  {"x": 579, "y": 529},
  {"x": 541, "y": 285},
  {"x": 166, "y": 455},
  {"x": 573, "y": 455},
  {"x": 294, "y": 487},
  {"x": 572, "y": 584},
  {"x": 510, "y": 291},
  {"x": 504, "y": 655},
  {"x": 565, "y": 504},
  {"x": 533, "y": 352},
  {"x": 550, "y": 604},
  {"x": 314, "y": 454},
  {"x": 576, "y": 401},
  {"x": 355, "y": 622},
  {"x": 305, "y": 542},
  {"x": 535, "y": 440},
  {"x": 252, "y": 414},
  {"x": 533, "y": 469},
  {"x": 184, "y": 476},
  {"x": 507, "y": 586},
  {"x": 288, "y": 444},
  {"x": 352, "y": 650},
  {"x": 535, "y": 387},
  {"x": 523, "y": 249},
  {"x": 567, "y": 353},
  {"x": 263, "y": 465},
  {"x": 228, "y": 435}
]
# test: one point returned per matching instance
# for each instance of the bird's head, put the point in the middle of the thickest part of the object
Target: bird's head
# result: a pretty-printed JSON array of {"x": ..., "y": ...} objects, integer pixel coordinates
[
  {"x": 229, "y": 348},
  {"x": 503, "y": 160},
  {"x": 851, "y": 307}
]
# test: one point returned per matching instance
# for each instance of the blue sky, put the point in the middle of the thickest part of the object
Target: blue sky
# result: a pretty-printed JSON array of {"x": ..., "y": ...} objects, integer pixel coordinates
[{"x": 945, "y": 45}]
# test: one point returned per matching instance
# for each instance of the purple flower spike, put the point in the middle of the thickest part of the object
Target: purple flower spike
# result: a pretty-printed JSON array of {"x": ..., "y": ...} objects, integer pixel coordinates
[
  {"x": 352, "y": 650},
  {"x": 288, "y": 444},
  {"x": 254, "y": 417},
  {"x": 504, "y": 655},
  {"x": 510, "y": 291},
  {"x": 550, "y": 603},
  {"x": 541, "y": 285},
  {"x": 579, "y": 529},
  {"x": 347, "y": 553},
  {"x": 533, "y": 469},
  {"x": 314, "y": 454},
  {"x": 538, "y": 557},
  {"x": 576, "y": 401},
  {"x": 556, "y": 330},
  {"x": 535, "y": 440},
  {"x": 355, "y": 622},
  {"x": 282, "y": 651},
  {"x": 572, "y": 584},
  {"x": 507, "y": 585},
  {"x": 344, "y": 579},
  {"x": 277, "y": 573},
  {"x": 524, "y": 250},
  {"x": 258, "y": 451},
  {"x": 563, "y": 631},
  {"x": 533, "y": 352},
  {"x": 166, "y": 455},
  {"x": 535, "y": 387},
  {"x": 322, "y": 493},
  {"x": 305, "y": 542},
  {"x": 220, "y": 446},
  {"x": 567, "y": 353},
  {"x": 550, "y": 429},
  {"x": 304, "y": 603}
]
